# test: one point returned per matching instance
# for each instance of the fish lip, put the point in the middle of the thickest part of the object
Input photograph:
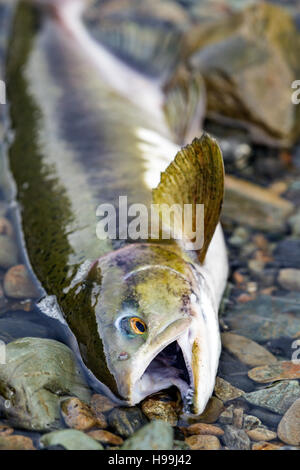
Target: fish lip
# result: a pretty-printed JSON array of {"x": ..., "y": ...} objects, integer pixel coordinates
[{"x": 134, "y": 379}]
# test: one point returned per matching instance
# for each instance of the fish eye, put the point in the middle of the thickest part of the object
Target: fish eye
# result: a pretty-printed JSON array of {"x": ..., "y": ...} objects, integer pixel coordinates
[{"x": 133, "y": 326}]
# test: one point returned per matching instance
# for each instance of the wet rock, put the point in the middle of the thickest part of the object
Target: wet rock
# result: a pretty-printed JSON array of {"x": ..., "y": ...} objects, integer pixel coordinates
[
  {"x": 5, "y": 430},
  {"x": 251, "y": 422},
  {"x": 246, "y": 350},
  {"x": 18, "y": 284},
  {"x": 266, "y": 417},
  {"x": 100, "y": 404},
  {"x": 78, "y": 415},
  {"x": 263, "y": 445},
  {"x": 225, "y": 391},
  {"x": 8, "y": 252},
  {"x": 237, "y": 57},
  {"x": 6, "y": 227},
  {"x": 206, "y": 442},
  {"x": 261, "y": 434},
  {"x": 273, "y": 372},
  {"x": 294, "y": 222},
  {"x": 234, "y": 372},
  {"x": 238, "y": 416},
  {"x": 126, "y": 421},
  {"x": 212, "y": 411},
  {"x": 47, "y": 373},
  {"x": 289, "y": 279},
  {"x": 289, "y": 426},
  {"x": 161, "y": 406},
  {"x": 8, "y": 442},
  {"x": 266, "y": 317},
  {"x": 180, "y": 445},
  {"x": 277, "y": 398},
  {"x": 226, "y": 417},
  {"x": 236, "y": 438},
  {"x": 285, "y": 253},
  {"x": 239, "y": 236},
  {"x": 70, "y": 439},
  {"x": 157, "y": 435},
  {"x": 204, "y": 429},
  {"x": 105, "y": 437},
  {"x": 249, "y": 204}
]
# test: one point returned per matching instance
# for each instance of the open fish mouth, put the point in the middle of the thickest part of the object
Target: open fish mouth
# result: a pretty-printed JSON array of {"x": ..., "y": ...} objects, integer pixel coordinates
[{"x": 169, "y": 367}]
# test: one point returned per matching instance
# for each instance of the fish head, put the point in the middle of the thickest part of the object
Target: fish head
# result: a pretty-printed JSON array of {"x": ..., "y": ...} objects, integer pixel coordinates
[{"x": 157, "y": 324}]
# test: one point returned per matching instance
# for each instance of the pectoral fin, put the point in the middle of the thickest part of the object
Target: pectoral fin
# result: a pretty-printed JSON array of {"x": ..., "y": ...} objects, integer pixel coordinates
[{"x": 196, "y": 176}]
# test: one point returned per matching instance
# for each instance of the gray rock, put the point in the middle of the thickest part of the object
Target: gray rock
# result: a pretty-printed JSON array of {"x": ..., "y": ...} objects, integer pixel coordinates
[
  {"x": 277, "y": 398},
  {"x": 126, "y": 421},
  {"x": 236, "y": 438},
  {"x": 286, "y": 253},
  {"x": 266, "y": 317},
  {"x": 251, "y": 422},
  {"x": 289, "y": 279},
  {"x": 289, "y": 426},
  {"x": 8, "y": 252},
  {"x": 157, "y": 435},
  {"x": 47, "y": 373},
  {"x": 70, "y": 439}
]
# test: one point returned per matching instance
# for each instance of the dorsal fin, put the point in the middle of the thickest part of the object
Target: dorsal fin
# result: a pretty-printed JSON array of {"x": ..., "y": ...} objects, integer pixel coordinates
[
  {"x": 196, "y": 176},
  {"x": 185, "y": 103}
]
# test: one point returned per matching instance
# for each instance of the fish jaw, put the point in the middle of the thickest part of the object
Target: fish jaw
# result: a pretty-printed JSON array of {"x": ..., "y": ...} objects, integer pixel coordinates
[{"x": 197, "y": 341}]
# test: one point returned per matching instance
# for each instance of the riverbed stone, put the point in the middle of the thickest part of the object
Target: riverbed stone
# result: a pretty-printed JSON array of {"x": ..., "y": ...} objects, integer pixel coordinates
[
  {"x": 256, "y": 207},
  {"x": 101, "y": 404},
  {"x": 289, "y": 279},
  {"x": 70, "y": 439},
  {"x": 266, "y": 317},
  {"x": 162, "y": 407},
  {"x": 225, "y": 391},
  {"x": 289, "y": 426},
  {"x": 8, "y": 252},
  {"x": 277, "y": 398},
  {"x": 204, "y": 429},
  {"x": 203, "y": 442},
  {"x": 282, "y": 370},
  {"x": 47, "y": 373},
  {"x": 211, "y": 413},
  {"x": 78, "y": 415},
  {"x": 18, "y": 284},
  {"x": 264, "y": 445},
  {"x": 235, "y": 438},
  {"x": 247, "y": 350},
  {"x": 261, "y": 434},
  {"x": 16, "y": 442},
  {"x": 105, "y": 437},
  {"x": 157, "y": 435},
  {"x": 126, "y": 421}
]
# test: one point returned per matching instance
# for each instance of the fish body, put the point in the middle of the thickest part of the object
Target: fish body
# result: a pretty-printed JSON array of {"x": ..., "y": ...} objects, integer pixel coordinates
[{"x": 144, "y": 312}]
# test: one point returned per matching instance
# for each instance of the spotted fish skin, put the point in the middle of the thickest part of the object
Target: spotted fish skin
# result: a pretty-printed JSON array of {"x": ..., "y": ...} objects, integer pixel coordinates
[{"x": 79, "y": 142}]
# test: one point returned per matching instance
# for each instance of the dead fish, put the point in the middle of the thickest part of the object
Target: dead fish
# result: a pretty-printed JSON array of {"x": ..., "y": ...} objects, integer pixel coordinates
[{"x": 87, "y": 130}]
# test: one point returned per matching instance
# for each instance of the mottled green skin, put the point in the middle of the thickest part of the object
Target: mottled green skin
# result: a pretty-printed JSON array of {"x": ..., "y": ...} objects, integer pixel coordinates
[{"x": 75, "y": 148}]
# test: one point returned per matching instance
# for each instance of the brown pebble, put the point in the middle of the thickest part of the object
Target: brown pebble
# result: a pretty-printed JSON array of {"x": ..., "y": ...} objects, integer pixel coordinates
[
  {"x": 225, "y": 391},
  {"x": 160, "y": 406},
  {"x": 105, "y": 437},
  {"x": 101, "y": 404},
  {"x": 78, "y": 415},
  {"x": 211, "y": 413},
  {"x": 244, "y": 298},
  {"x": 6, "y": 227},
  {"x": 18, "y": 284},
  {"x": 261, "y": 434},
  {"x": 16, "y": 443},
  {"x": 204, "y": 429},
  {"x": 238, "y": 417},
  {"x": 5, "y": 430},
  {"x": 203, "y": 442},
  {"x": 289, "y": 426},
  {"x": 263, "y": 445}
]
